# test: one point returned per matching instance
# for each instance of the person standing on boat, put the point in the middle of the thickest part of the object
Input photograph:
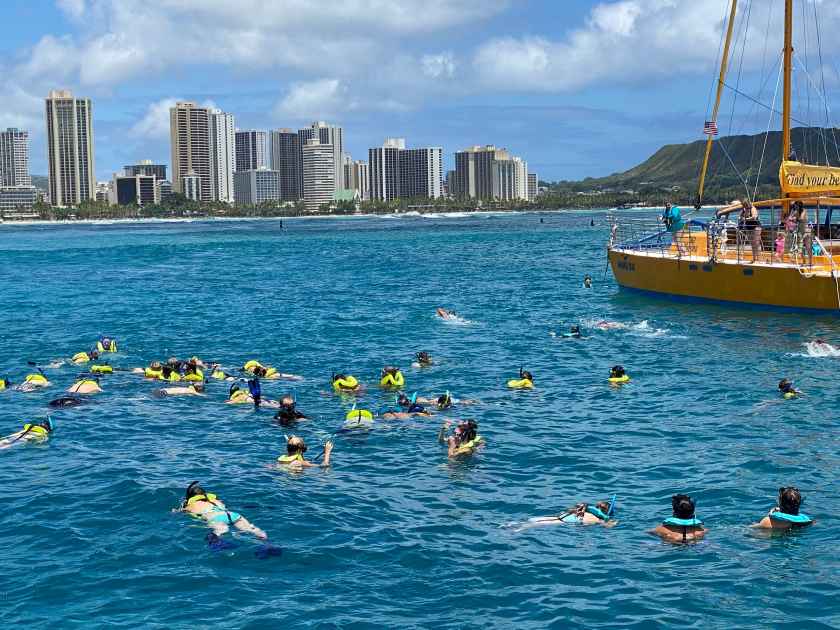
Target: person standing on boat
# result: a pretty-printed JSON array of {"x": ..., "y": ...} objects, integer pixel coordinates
[
  {"x": 803, "y": 231},
  {"x": 750, "y": 224},
  {"x": 672, "y": 218}
]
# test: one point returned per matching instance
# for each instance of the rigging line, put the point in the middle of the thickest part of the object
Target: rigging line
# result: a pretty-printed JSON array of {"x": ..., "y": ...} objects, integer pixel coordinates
[
  {"x": 767, "y": 133},
  {"x": 822, "y": 73},
  {"x": 754, "y": 100},
  {"x": 806, "y": 137},
  {"x": 735, "y": 168},
  {"x": 770, "y": 6},
  {"x": 746, "y": 26},
  {"x": 717, "y": 58}
]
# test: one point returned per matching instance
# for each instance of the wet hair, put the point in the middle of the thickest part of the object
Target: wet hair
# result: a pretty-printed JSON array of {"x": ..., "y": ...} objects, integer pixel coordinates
[
  {"x": 199, "y": 387},
  {"x": 468, "y": 431},
  {"x": 260, "y": 371},
  {"x": 293, "y": 448},
  {"x": 173, "y": 361},
  {"x": 604, "y": 506},
  {"x": 617, "y": 371},
  {"x": 789, "y": 500},
  {"x": 390, "y": 369},
  {"x": 287, "y": 401},
  {"x": 527, "y": 374},
  {"x": 193, "y": 490},
  {"x": 424, "y": 357},
  {"x": 444, "y": 401},
  {"x": 403, "y": 400},
  {"x": 155, "y": 365},
  {"x": 785, "y": 385},
  {"x": 682, "y": 505}
]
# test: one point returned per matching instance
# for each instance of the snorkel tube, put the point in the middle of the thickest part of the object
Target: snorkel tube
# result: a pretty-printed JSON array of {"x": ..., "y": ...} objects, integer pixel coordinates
[{"x": 611, "y": 511}]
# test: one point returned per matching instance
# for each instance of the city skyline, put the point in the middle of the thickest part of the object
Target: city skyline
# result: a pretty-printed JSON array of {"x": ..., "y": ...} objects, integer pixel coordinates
[{"x": 530, "y": 76}]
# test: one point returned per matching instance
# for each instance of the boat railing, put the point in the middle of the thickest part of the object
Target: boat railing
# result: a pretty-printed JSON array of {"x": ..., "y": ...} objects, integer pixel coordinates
[{"x": 652, "y": 237}]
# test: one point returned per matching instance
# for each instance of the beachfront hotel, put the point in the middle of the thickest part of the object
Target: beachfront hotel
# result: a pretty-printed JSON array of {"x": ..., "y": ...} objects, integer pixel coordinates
[
  {"x": 70, "y": 157},
  {"x": 285, "y": 157}
]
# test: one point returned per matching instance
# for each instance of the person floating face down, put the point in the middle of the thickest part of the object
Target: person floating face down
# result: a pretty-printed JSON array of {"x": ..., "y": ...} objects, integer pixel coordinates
[
  {"x": 205, "y": 505},
  {"x": 786, "y": 514},
  {"x": 31, "y": 432},
  {"x": 288, "y": 413},
  {"x": 464, "y": 440},
  {"x": 683, "y": 526},
  {"x": 294, "y": 457},
  {"x": 581, "y": 514},
  {"x": 787, "y": 390}
]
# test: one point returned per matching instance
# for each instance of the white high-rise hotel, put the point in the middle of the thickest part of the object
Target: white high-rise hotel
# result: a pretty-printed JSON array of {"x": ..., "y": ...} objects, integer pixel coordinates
[
  {"x": 70, "y": 149},
  {"x": 14, "y": 158}
]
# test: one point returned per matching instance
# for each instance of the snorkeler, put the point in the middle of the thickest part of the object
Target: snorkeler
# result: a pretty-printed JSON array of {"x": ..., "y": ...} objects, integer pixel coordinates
[
  {"x": 84, "y": 357},
  {"x": 31, "y": 432},
  {"x": 787, "y": 390},
  {"x": 618, "y": 375},
  {"x": 525, "y": 380},
  {"x": 407, "y": 407},
  {"x": 288, "y": 413},
  {"x": 67, "y": 401},
  {"x": 581, "y": 514},
  {"x": 444, "y": 401},
  {"x": 238, "y": 396},
  {"x": 106, "y": 344},
  {"x": 295, "y": 448},
  {"x": 199, "y": 503},
  {"x": 345, "y": 384},
  {"x": 195, "y": 389},
  {"x": 587, "y": 281},
  {"x": 33, "y": 382},
  {"x": 5, "y": 383},
  {"x": 85, "y": 386},
  {"x": 683, "y": 526},
  {"x": 391, "y": 378},
  {"x": 422, "y": 359},
  {"x": 465, "y": 440},
  {"x": 574, "y": 333},
  {"x": 447, "y": 315},
  {"x": 255, "y": 368},
  {"x": 786, "y": 514}
]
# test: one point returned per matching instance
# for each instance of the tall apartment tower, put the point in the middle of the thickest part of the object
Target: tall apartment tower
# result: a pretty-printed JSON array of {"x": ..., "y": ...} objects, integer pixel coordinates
[
  {"x": 474, "y": 171},
  {"x": 319, "y": 170},
  {"x": 70, "y": 148},
  {"x": 326, "y": 135},
  {"x": 189, "y": 127},
  {"x": 251, "y": 150},
  {"x": 420, "y": 173},
  {"x": 384, "y": 169},
  {"x": 285, "y": 157},
  {"x": 222, "y": 155},
  {"x": 14, "y": 158},
  {"x": 356, "y": 177},
  {"x": 533, "y": 186}
]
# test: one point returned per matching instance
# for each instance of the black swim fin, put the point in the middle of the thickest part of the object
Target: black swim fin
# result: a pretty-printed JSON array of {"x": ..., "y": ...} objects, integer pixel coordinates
[
  {"x": 263, "y": 552},
  {"x": 217, "y": 543}
]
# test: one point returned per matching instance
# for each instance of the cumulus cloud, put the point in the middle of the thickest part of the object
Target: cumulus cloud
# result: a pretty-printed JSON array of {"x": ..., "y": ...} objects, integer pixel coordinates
[
  {"x": 439, "y": 66},
  {"x": 155, "y": 122},
  {"x": 323, "y": 98}
]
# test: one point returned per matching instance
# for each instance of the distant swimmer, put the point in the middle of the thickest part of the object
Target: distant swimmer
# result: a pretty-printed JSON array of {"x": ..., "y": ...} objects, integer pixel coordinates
[
  {"x": 574, "y": 333},
  {"x": 591, "y": 222},
  {"x": 67, "y": 401},
  {"x": 618, "y": 375},
  {"x": 288, "y": 413},
  {"x": 683, "y": 526},
  {"x": 33, "y": 382},
  {"x": 608, "y": 325},
  {"x": 422, "y": 359},
  {"x": 447, "y": 315},
  {"x": 391, "y": 378},
  {"x": 219, "y": 374},
  {"x": 267, "y": 372},
  {"x": 294, "y": 459},
  {"x": 580, "y": 514},
  {"x": 202, "y": 504},
  {"x": 238, "y": 395},
  {"x": 85, "y": 386},
  {"x": 345, "y": 384},
  {"x": 587, "y": 282},
  {"x": 787, "y": 390},
  {"x": 31, "y": 432},
  {"x": 5, "y": 383},
  {"x": 464, "y": 440},
  {"x": 786, "y": 515},
  {"x": 195, "y": 389},
  {"x": 406, "y": 407},
  {"x": 525, "y": 380},
  {"x": 106, "y": 344},
  {"x": 445, "y": 401}
]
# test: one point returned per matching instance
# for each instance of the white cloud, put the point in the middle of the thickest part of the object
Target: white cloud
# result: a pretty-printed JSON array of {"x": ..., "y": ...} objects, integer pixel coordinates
[
  {"x": 320, "y": 99},
  {"x": 155, "y": 123},
  {"x": 439, "y": 66},
  {"x": 73, "y": 8}
]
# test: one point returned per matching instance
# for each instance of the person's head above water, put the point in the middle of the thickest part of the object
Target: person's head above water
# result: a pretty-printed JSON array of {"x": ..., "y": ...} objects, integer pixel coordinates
[
  {"x": 295, "y": 445},
  {"x": 444, "y": 401},
  {"x": 198, "y": 387},
  {"x": 466, "y": 431},
  {"x": 785, "y": 385},
  {"x": 525, "y": 374},
  {"x": 287, "y": 401},
  {"x": 424, "y": 358},
  {"x": 617, "y": 371},
  {"x": 683, "y": 506},
  {"x": 575, "y": 330},
  {"x": 194, "y": 490},
  {"x": 789, "y": 500}
]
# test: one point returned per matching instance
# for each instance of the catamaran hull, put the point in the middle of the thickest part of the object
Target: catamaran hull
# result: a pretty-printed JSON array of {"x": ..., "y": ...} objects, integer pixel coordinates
[{"x": 737, "y": 283}]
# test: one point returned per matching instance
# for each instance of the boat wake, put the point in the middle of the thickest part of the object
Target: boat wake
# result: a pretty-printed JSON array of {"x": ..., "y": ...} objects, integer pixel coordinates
[
  {"x": 640, "y": 329},
  {"x": 820, "y": 349}
]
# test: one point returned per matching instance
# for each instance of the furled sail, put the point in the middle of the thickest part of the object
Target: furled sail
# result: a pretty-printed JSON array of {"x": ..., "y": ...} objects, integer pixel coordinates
[{"x": 797, "y": 179}]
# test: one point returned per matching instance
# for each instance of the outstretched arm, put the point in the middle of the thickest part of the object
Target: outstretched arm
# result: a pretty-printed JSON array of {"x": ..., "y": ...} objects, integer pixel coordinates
[{"x": 442, "y": 432}]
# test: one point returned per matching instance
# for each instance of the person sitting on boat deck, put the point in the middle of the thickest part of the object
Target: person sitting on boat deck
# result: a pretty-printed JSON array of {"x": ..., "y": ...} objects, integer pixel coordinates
[
  {"x": 423, "y": 359},
  {"x": 587, "y": 281},
  {"x": 288, "y": 413},
  {"x": 31, "y": 432},
  {"x": 85, "y": 386},
  {"x": 786, "y": 514},
  {"x": 683, "y": 526},
  {"x": 618, "y": 375},
  {"x": 295, "y": 448},
  {"x": 787, "y": 390},
  {"x": 581, "y": 514},
  {"x": 750, "y": 224},
  {"x": 202, "y": 504},
  {"x": 194, "y": 389},
  {"x": 464, "y": 440},
  {"x": 84, "y": 357}
]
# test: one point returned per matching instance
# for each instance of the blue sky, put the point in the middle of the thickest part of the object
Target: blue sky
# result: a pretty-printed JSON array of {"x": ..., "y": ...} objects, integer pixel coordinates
[{"x": 577, "y": 88}]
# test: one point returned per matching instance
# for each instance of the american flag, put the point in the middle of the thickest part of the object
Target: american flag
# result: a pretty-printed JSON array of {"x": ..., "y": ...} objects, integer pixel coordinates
[{"x": 710, "y": 128}]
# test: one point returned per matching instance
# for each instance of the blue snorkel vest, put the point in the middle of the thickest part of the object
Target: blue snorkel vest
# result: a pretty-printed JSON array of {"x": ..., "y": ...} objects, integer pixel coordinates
[
  {"x": 796, "y": 519},
  {"x": 683, "y": 522}
]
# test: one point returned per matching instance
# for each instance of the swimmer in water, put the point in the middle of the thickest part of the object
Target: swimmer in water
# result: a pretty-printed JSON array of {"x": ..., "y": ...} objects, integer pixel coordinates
[
  {"x": 294, "y": 459},
  {"x": 199, "y": 503},
  {"x": 581, "y": 514},
  {"x": 31, "y": 432},
  {"x": 464, "y": 440},
  {"x": 447, "y": 315},
  {"x": 5, "y": 383},
  {"x": 33, "y": 382},
  {"x": 445, "y": 401},
  {"x": 786, "y": 514},
  {"x": 787, "y": 390},
  {"x": 587, "y": 282},
  {"x": 85, "y": 386},
  {"x": 288, "y": 413},
  {"x": 407, "y": 407},
  {"x": 196, "y": 389},
  {"x": 607, "y": 325},
  {"x": 67, "y": 401},
  {"x": 683, "y": 526},
  {"x": 422, "y": 359}
]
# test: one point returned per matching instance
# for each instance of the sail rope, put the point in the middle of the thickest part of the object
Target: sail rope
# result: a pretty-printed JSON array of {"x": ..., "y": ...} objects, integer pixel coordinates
[
  {"x": 822, "y": 73},
  {"x": 767, "y": 132},
  {"x": 814, "y": 85}
]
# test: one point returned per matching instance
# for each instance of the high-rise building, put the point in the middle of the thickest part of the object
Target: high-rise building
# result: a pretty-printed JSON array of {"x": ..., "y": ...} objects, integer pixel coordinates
[
  {"x": 70, "y": 158},
  {"x": 384, "y": 169},
  {"x": 146, "y": 167},
  {"x": 222, "y": 154},
  {"x": 533, "y": 186},
  {"x": 285, "y": 158},
  {"x": 357, "y": 177},
  {"x": 254, "y": 187},
  {"x": 190, "y": 142},
  {"x": 319, "y": 170},
  {"x": 137, "y": 190},
  {"x": 191, "y": 185},
  {"x": 326, "y": 135},
  {"x": 164, "y": 190},
  {"x": 103, "y": 192},
  {"x": 489, "y": 173},
  {"x": 397, "y": 172},
  {"x": 14, "y": 158},
  {"x": 251, "y": 150}
]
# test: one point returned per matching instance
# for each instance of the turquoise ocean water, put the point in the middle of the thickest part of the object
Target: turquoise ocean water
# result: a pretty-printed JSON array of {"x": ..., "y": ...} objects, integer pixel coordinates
[{"x": 394, "y": 535}]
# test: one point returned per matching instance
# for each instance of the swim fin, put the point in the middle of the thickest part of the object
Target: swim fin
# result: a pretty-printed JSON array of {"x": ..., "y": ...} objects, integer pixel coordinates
[
  {"x": 263, "y": 552},
  {"x": 217, "y": 543}
]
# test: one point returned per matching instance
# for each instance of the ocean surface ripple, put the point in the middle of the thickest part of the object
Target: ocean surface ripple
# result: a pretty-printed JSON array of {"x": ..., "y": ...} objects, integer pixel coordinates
[{"x": 394, "y": 535}]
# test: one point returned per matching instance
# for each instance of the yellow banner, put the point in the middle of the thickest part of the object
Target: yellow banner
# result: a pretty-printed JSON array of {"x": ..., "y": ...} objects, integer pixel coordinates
[{"x": 796, "y": 177}]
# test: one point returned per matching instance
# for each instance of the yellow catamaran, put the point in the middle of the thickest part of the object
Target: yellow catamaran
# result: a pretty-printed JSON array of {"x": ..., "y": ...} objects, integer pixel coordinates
[{"x": 780, "y": 264}]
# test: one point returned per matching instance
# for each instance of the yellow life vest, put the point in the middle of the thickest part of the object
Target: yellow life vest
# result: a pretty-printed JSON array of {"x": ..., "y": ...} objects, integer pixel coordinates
[
  {"x": 36, "y": 379},
  {"x": 78, "y": 384},
  {"x": 173, "y": 378},
  {"x": 80, "y": 357},
  {"x": 250, "y": 365},
  {"x": 3, "y": 384},
  {"x": 348, "y": 383},
  {"x": 101, "y": 369},
  {"x": 392, "y": 381},
  {"x": 195, "y": 377},
  {"x": 35, "y": 430},
  {"x": 466, "y": 447},
  {"x": 789, "y": 395},
  {"x": 270, "y": 372},
  {"x": 209, "y": 497},
  {"x": 520, "y": 383},
  {"x": 288, "y": 459},
  {"x": 219, "y": 375},
  {"x": 359, "y": 415},
  {"x": 112, "y": 346},
  {"x": 618, "y": 379},
  {"x": 240, "y": 396},
  {"x": 150, "y": 373}
]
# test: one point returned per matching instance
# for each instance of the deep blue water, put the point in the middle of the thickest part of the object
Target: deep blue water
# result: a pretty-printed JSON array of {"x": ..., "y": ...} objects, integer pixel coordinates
[{"x": 394, "y": 535}]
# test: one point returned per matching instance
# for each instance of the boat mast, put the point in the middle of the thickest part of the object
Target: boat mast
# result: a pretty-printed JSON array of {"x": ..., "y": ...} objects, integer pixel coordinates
[
  {"x": 723, "y": 63},
  {"x": 788, "y": 52}
]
